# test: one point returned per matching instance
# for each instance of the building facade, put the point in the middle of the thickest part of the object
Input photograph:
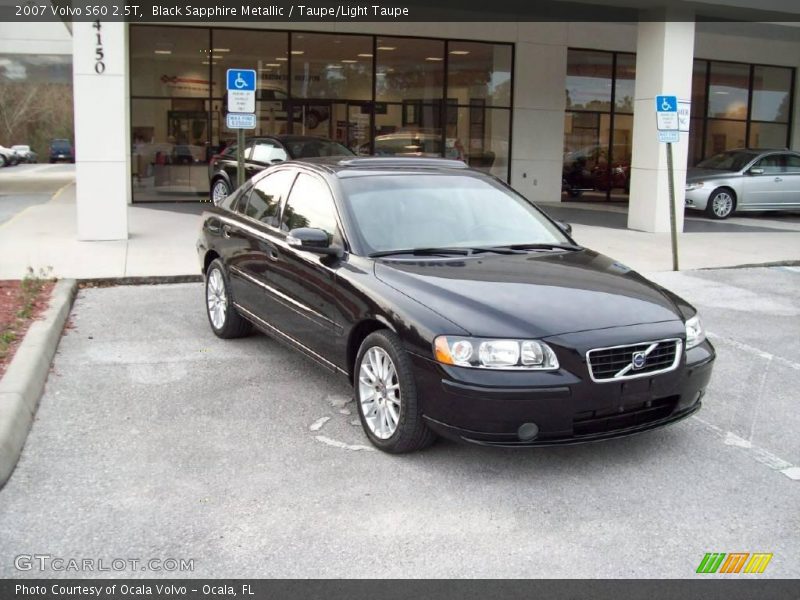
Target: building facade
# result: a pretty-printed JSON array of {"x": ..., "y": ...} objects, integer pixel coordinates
[{"x": 532, "y": 103}]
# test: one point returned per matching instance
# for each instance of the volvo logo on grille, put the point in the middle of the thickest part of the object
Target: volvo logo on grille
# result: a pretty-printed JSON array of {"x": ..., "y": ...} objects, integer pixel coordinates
[{"x": 638, "y": 360}]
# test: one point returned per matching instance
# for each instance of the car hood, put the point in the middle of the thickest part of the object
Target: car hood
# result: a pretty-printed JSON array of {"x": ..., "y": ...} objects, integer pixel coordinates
[
  {"x": 531, "y": 295},
  {"x": 696, "y": 174}
]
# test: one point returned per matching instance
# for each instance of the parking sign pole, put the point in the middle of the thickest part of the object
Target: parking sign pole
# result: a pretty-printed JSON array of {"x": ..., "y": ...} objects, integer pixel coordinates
[
  {"x": 239, "y": 157},
  {"x": 673, "y": 225}
]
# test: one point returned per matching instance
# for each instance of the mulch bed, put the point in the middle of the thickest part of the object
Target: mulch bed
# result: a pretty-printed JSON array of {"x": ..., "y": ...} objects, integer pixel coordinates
[{"x": 13, "y": 326}]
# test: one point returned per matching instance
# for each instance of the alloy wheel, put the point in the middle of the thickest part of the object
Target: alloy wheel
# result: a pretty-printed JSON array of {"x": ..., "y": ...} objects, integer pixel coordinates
[
  {"x": 379, "y": 392},
  {"x": 219, "y": 192},
  {"x": 723, "y": 204},
  {"x": 216, "y": 299}
]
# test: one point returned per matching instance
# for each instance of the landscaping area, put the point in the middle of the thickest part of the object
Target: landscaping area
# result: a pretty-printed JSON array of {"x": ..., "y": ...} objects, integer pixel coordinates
[{"x": 21, "y": 302}]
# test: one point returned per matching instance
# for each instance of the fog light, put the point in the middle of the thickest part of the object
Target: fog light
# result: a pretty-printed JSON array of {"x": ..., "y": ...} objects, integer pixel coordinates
[{"x": 528, "y": 432}]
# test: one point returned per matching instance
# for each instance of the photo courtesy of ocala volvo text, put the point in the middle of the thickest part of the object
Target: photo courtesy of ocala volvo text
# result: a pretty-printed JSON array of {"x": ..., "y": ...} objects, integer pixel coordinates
[{"x": 453, "y": 305}]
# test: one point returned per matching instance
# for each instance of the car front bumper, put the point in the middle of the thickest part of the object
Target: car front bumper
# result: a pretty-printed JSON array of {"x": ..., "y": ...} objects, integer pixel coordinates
[
  {"x": 697, "y": 199},
  {"x": 488, "y": 407}
]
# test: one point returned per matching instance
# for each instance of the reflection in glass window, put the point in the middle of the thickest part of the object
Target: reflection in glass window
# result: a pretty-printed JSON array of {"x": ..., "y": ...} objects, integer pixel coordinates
[
  {"x": 171, "y": 61},
  {"x": 771, "y": 94},
  {"x": 331, "y": 66},
  {"x": 479, "y": 137},
  {"x": 699, "y": 88},
  {"x": 589, "y": 80},
  {"x": 478, "y": 71},
  {"x": 727, "y": 92},
  {"x": 768, "y": 135},
  {"x": 407, "y": 130},
  {"x": 266, "y": 152},
  {"x": 624, "y": 83},
  {"x": 265, "y": 200},
  {"x": 310, "y": 205},
  {"x": 409, "y": 70},
  {"x": 724, "y": 135}
]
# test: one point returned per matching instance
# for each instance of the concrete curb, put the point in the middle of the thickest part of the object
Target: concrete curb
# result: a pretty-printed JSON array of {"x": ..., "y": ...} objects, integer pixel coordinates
[{"x": 23, "y": 383}]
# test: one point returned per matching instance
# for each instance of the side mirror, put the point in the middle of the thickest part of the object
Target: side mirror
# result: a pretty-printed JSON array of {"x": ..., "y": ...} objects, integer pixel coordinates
[
  {"x": 565, "y": 227},
  {"x": 312, "y": 240},
  {"x": 756, "y": 171}
]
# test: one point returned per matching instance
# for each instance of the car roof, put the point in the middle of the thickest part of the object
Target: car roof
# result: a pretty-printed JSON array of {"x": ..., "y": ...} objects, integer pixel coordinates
[{"x": 345, "y": 166}]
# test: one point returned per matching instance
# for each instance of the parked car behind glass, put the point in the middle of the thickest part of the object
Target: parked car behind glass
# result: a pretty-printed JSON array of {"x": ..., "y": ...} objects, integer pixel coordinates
[
  {"x": 744, "y": 180},
  {"x": 453, "y": 305},
  {"x": 8, "y": 157},
  {"x": 262, "y": 152}
]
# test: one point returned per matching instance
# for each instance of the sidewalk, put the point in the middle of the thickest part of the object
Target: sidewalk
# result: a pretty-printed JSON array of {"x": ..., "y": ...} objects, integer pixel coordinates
[{"x": 162, "y": 242}]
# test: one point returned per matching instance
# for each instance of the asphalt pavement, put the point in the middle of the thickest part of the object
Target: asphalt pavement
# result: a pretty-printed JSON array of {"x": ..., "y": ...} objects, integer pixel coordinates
[
  {"x": 23, "y": 186},
  {"x": 155, "y": 439}
]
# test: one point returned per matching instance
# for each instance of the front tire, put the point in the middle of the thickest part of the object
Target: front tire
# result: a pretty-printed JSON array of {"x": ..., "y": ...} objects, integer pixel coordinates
[
  {"x": 225, "y": 321},
  {"x": 386, "y": 396},
  {"x": 721, "y": 204}
]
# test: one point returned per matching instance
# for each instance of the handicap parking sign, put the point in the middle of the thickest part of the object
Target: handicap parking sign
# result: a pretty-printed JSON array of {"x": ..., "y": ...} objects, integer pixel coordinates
[
  {"x": 667, "y": 113},
  {"x": 242, "y": 80}
]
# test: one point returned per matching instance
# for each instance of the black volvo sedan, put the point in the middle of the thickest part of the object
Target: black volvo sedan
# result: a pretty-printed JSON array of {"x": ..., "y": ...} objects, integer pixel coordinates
[{"x": 453, "y": 305}]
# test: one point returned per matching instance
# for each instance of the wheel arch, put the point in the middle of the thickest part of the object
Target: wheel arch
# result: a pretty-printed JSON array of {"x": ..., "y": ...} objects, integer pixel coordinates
[
  {"x": 359, "y": 333},
  {"x": 210, "y": 257}
]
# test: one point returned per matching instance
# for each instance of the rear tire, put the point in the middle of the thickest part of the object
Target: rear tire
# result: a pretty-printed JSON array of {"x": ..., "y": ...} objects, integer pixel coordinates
[
  {"x": 721, "y": 203},
  {"x": 224, "y": 319},
  {"x": 386, "y": 396}
]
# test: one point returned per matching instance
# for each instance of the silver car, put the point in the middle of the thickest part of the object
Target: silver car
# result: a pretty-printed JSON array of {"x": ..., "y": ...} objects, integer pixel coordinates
[{"x": 744, "y": 180}]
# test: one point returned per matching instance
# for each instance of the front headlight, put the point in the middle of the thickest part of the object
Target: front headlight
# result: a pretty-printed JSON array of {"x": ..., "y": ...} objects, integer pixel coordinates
[
  {"x": 494, "y": 354},
  {"x": 695, "y": 334},
  {"x": 696, "y": 185}
]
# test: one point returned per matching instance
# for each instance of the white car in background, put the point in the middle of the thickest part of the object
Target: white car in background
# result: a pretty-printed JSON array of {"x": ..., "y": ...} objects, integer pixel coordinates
[{"x": 7, "y": 157}]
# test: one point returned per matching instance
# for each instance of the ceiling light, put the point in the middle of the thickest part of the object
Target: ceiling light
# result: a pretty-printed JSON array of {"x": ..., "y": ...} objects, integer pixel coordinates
[
  {"x": 365, "y": 55},
  {"x": 387, "y": 48},
  {"x": 272, "y": 65},
  {"x": 222, "y": 49},
  {"x": 334, "y": 66},
  {"x": 281, "y": 58},
  {"x": 459, "y": 52},
  {"x": 349, "y": 61},
  {"x": 298, "y": 52},
  {"x": 433, "y": 58},
  {"x": 214, "y": 56},
  {"x": 162, "y": 51}
]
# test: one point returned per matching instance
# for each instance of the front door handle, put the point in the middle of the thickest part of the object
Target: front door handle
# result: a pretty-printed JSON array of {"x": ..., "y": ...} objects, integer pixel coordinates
[
  {"x": 778, "y": 179},
  {"x": 226, "y": 231},
  {"x": 272, "y": 254}
]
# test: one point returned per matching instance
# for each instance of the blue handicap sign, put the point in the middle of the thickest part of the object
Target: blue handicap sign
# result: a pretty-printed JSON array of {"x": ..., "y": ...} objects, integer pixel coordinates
[
  {"x": 241, "y": 80},
  {"x": 666, "y": 103}
]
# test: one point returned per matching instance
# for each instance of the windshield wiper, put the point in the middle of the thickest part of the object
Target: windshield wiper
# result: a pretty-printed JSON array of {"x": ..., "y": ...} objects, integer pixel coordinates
[
  {"x": 541, "y": 246},
  {"x": 444, "y": 251}
]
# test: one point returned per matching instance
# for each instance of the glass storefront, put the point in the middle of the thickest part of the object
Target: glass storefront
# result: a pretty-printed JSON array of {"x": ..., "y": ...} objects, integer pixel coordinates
[
  {"x": 733, "y": 105},
  {"x": 375, "y": 94},
  {"x": 598, "y": 124}
]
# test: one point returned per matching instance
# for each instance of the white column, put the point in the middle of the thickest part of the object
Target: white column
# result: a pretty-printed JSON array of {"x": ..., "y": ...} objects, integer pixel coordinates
[
  {"x": 664, "y": 56},
  {"x": 540, "y": 73},
  {"x": 102, "y": 130}
]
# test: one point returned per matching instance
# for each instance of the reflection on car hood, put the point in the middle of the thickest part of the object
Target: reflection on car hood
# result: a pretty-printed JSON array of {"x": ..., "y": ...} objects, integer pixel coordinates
[
  {"x": 530, "y": 295},
  {"x": 696, "y": 174}
]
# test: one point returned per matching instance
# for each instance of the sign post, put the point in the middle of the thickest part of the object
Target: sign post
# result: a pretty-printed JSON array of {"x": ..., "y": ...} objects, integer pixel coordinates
[
  {"x": 241, "y": 111},
  {"x": 668, "y": 133}
]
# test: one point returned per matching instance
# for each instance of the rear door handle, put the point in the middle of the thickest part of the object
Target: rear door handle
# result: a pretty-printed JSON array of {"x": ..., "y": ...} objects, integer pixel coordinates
[
  {"x": 226, "y": 231},
  {"x": 778, "y": 179},
  {"x": 272, "y": 254}
]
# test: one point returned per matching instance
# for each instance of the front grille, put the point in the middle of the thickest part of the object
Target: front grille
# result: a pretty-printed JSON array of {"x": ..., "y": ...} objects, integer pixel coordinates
[
  {"x": 603, "y": 421},
  {"x": 613, "y": 364}
]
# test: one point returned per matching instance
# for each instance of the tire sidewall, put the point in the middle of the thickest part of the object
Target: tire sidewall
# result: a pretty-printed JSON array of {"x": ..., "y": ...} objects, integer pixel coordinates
[
  {"x": 220, "y": 182},
  {"x": 408, "y": 389}
]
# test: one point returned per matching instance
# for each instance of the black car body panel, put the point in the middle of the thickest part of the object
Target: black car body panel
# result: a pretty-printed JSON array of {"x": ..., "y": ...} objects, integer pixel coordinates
[{"x": 575, "y": 301}]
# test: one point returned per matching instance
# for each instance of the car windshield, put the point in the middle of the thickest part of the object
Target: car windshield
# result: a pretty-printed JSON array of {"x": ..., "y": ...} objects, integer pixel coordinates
[
  {"x": 420, "y": 210},
  {"x": 727, "y": 161},
  {"x": 315, "y": 148},
  {"x": 60, "y": 145}
]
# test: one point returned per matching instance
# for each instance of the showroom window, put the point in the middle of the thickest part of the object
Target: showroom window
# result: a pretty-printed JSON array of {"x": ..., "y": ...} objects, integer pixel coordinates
[
  {"x": 374, "y": 94},
  {"x": 736, "y": 105},
  {"x": 598, "y": 124},
  {"x": 733, "y": 105}
]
